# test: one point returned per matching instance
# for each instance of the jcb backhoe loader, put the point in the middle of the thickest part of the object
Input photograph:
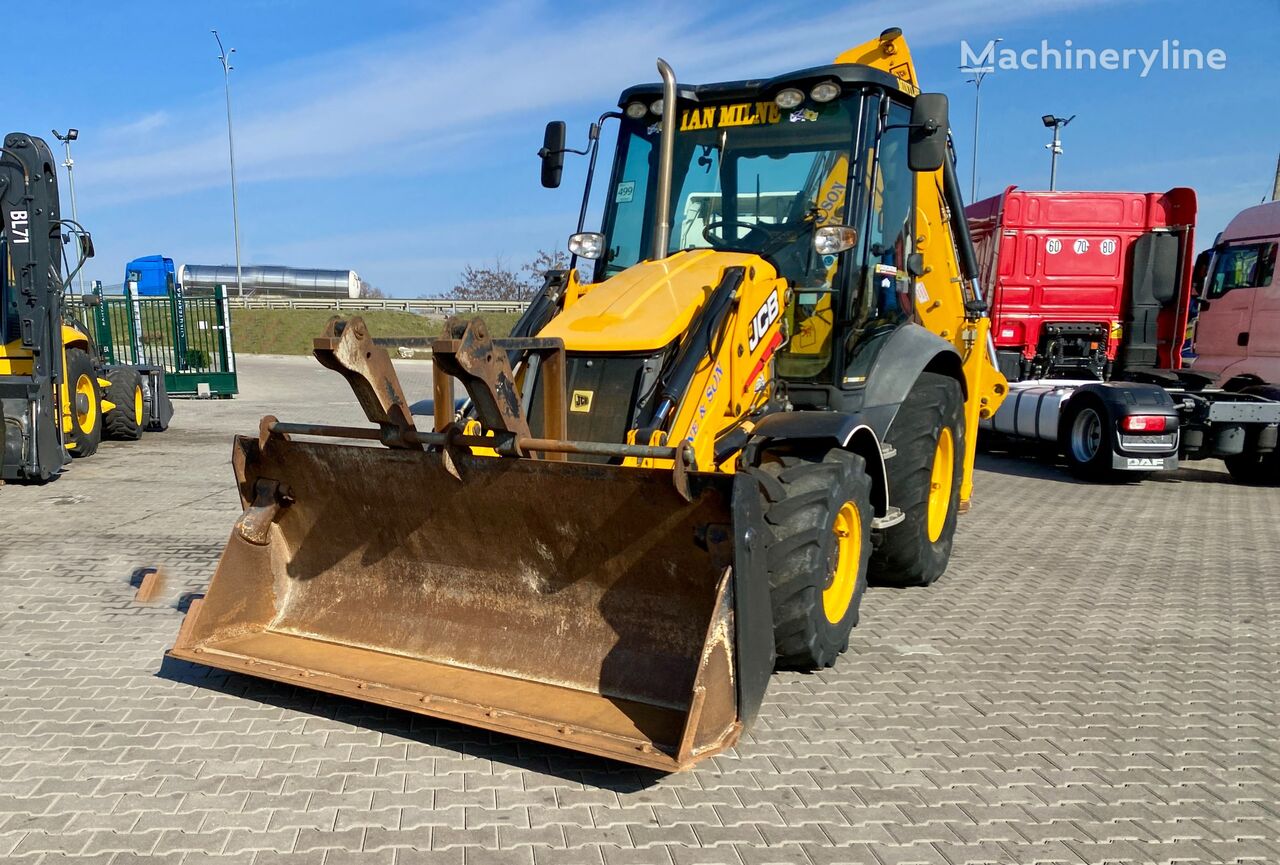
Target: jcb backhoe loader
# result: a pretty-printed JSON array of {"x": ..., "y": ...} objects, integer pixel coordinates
[
  {"x": 56, "y": 396},
  {"x": 669, "y": 478}
]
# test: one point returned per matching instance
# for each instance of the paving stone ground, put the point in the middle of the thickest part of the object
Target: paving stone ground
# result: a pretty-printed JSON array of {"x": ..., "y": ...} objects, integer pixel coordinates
[{"x": 1095, "y": 680}]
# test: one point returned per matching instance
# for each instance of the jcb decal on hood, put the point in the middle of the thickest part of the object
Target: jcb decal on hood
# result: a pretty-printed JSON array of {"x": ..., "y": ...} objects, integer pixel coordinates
[{"x": 738, "y": 114}]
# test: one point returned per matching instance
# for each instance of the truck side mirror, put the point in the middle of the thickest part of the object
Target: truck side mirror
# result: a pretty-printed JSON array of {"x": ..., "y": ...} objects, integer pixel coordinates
[
  {"x": 927, "y": 144},
  {"x": 552, "y": 154},
  {"x": 1200, "y": 272},
  {"x": 86, "y": 245}
]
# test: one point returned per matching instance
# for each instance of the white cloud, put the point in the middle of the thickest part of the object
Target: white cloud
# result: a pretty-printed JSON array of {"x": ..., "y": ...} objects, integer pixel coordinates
[{"x": 409, "y": 101}]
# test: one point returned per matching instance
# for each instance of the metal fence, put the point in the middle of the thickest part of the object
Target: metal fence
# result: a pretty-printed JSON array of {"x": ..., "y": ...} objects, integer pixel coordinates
[
  {"x": 420, "y": 304},
  {"x": 189, "y": 337}
]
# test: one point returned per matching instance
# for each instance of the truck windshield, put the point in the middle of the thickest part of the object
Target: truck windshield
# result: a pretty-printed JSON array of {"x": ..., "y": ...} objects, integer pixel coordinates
[{"x": 748, "y": 176}]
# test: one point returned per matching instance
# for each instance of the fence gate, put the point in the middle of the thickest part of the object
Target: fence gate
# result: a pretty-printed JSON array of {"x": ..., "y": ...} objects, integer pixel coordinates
[{"x": 189, "y": 337}]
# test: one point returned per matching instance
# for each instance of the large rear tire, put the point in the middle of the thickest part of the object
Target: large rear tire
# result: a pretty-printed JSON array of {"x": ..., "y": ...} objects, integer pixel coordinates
[
  {"x": 924, "y": 481},
  {"x": 86, "y": 404},
  {"x": 125, "y": 421},
  {"x": 817, "y": 513}
]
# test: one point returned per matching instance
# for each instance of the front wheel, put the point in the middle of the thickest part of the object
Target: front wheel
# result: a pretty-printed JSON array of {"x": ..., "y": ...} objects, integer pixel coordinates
[
  {"x": 817, "y": 513},
  {"x": 924, "y": 481}
]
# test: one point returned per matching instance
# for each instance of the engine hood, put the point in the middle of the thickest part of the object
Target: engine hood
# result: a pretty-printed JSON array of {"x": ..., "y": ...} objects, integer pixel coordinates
[{"x": 649, "y": 305}]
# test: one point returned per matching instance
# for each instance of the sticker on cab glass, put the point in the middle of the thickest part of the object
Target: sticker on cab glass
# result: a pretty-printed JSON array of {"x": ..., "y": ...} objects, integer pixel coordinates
[
  {"x": 804, "y": 115},
  {"x": 581, "y": 400},
  {"x": 626, "y": 192},
  {"x": 722, "y": 116}
]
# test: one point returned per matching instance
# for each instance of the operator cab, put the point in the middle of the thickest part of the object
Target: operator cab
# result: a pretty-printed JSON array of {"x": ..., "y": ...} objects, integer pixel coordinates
[{"x": 810, "y": 171}]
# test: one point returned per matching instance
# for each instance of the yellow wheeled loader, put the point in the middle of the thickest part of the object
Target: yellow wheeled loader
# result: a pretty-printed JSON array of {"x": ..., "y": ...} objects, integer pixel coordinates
[{"x": 668, "y": 479}]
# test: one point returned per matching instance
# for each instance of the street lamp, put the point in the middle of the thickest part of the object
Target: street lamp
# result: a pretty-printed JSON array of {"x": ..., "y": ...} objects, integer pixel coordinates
[
  {"x": 979, "y": 75},
  {"x": 1055, "y": 147},
  {"x": 224, "y": 57},
  {"x": 69, "y": 163}
]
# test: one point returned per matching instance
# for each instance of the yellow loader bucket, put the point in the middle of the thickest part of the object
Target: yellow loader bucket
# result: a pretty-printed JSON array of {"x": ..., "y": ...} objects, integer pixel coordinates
[{"x": 590, "y": 606}]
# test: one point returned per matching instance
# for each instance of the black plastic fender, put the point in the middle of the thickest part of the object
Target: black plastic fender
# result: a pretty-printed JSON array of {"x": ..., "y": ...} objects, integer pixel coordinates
[
  {"x": 831, "y": 429},
  {"x": 909, "y": 351},
  {"x": 1121, "y": 399}
]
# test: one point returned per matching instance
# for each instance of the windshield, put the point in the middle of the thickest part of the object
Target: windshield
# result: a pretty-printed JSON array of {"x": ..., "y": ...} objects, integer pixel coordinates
[{"x": 748, "y": 176}]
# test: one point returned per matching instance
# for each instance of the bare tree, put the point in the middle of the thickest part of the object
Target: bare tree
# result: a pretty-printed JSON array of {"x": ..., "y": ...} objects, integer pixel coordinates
[
  {"x": 499, "y": 282},
  {"x": 368, "y": 290}
]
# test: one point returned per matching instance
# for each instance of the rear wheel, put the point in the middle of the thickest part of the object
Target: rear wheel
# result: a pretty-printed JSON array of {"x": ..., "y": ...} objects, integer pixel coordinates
[
  {"x": 924, "y": 481},
  {"x": 817, "y": 513},
  {"x": 125, "y": 421},
  {"x": 86, "y": 404},
  {"x": 1087, "y": 440},
  {"x": 1252, "y": 467}
]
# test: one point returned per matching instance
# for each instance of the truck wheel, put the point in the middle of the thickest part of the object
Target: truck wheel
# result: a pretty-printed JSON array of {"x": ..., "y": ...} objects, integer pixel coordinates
[
  {"x": 86, "y": 404},
  {"x": 1086, "y": 437},
  {"x": 125, "y": 421},
  {"x": 817, "y": 514},
  {"x": 1255, "y": 469},
  {"x": 924, "y": 481},
  {"x": 1252, "y": 467}
]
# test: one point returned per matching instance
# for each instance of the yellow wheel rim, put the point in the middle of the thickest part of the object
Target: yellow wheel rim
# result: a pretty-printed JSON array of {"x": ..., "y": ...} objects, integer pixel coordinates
[
  {"x": 137, "y": 405},
  {"x": 844, "y": 578},
  {"x": 944, "y": 468},
  {"x": 87, "y": 418}
]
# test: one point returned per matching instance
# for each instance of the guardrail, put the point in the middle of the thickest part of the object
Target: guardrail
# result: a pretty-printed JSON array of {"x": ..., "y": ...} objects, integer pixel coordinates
[{"x": 419, "y": 304}]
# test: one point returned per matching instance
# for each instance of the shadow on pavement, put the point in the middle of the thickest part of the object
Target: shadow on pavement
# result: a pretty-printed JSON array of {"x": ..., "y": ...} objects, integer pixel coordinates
[{"x": 519, "y": 754}]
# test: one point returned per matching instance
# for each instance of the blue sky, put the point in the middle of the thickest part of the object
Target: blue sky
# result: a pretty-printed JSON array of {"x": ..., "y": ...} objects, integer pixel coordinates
[{"x": 397, "y": 138}]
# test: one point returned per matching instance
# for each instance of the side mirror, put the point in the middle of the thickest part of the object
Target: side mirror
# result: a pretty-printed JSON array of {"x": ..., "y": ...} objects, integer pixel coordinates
[
  {"x": 1200, "y": 272},
  {"x": 552, "y": 154},
  {"x": 90, "y": 300},
  {"x": 927, "y": 143},
  {"x": 86, "y": 245}
]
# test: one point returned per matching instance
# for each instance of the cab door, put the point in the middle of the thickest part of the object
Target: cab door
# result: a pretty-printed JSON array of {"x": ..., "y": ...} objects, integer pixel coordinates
[
  {"x": 1264, "y": 324},
  {"x": 1224, "y": 327}
]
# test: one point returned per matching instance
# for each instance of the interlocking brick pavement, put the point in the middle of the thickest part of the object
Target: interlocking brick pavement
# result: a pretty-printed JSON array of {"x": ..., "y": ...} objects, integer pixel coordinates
[{"x": 1094, "y": 681}]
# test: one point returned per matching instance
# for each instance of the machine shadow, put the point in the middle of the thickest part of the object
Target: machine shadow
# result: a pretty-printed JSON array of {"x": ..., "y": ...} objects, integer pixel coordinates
[{"x": 457, "y": 739}]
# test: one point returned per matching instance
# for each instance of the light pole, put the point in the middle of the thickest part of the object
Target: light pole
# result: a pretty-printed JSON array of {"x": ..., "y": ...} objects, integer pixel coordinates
[
  {"x": 979, "y": 75},
  {"x": 224, "y": 57},
  {"x": 1055, "y": 147},
  {"x": 69, "y": 164}
]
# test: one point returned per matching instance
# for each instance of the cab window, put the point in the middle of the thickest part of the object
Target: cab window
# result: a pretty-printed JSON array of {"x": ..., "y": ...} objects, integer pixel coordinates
[
  {"x": 1246, "y": 266},
  {"x": 884, "y": 298}
]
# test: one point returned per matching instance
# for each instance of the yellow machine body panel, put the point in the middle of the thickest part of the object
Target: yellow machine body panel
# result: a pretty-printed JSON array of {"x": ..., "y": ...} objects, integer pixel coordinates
[{"x": 645, "y": 307}]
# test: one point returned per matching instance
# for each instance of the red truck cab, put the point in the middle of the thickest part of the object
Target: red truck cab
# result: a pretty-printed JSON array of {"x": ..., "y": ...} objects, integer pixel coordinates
[{"x": 1086, "y": 284}]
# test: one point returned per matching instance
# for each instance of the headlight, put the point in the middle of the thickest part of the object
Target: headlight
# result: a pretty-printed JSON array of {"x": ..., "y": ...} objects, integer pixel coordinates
[
  {"x": 636, "y": 110},
  {"x": 656, "y": 107},
  {"x": 588, "y": 244},
  {"x": 833, "y": 239},
  {"x": 825, "y": 91},
  {"x": 789, "y": 98}
]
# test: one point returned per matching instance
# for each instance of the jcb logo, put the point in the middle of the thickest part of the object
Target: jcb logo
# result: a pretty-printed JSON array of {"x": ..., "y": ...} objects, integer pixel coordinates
[
  {"x": 766, "y": 315},
  {"x": 19, "y": 227},
  {"x": 580, "y": 401}
]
